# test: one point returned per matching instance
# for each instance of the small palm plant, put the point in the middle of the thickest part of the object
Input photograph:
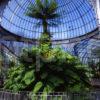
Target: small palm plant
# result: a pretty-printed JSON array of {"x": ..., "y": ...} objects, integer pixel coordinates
[{"x": 45, "y": 12}]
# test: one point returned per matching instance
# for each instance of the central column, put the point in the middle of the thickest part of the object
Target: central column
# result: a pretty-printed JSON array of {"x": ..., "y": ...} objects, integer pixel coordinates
[{"x": 98, "y": 11}]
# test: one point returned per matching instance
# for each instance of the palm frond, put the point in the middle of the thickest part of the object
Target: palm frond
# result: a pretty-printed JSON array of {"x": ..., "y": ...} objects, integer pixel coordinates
[
  {"x": 44, "y": 11},
  {"x": 52, "y": 7},
  {"x": 39, "y": 10},
  {"x": 53, "y": 16},
  {"x": 39, "y": 5},
  {"x": 46, "y": 3}
]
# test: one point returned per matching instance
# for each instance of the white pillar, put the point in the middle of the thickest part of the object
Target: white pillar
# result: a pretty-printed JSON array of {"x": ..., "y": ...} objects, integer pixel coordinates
[
  {"x": 98, "y": 15},
  {"x": 98, "y": 11}
]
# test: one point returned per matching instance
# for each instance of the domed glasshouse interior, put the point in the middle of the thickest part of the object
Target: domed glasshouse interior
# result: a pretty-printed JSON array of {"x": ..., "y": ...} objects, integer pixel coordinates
[{"x": 49, "y": 49}]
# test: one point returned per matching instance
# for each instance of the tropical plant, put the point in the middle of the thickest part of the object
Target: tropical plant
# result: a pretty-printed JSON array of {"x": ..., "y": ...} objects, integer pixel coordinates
[
  {"x": 59, "y": 71},
  {"x": 45, "y": 12}
]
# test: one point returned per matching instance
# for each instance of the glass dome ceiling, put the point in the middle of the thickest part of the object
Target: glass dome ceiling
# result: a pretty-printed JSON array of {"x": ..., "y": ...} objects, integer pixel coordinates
[{"x": 77, "y": 18}]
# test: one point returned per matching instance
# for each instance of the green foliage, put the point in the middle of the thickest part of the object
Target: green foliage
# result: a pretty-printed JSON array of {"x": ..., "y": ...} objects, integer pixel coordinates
[
  {"x": 37, "y": 87},
  {"x": 29, "y": 77},
  {"x": 14, "y": 78},
  {"x": 57, "y": 71},
  {"x": 45, "y": 9},
  {"x": 45, "y": 12}
]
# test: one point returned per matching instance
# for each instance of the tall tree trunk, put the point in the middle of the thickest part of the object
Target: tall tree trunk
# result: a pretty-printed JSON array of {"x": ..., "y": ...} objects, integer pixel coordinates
[
  {"x": 45, "y": 31},
  {"x": 45, "y": 27}
]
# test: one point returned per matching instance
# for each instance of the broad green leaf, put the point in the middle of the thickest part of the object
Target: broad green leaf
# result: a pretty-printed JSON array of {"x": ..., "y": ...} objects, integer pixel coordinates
[
  {"x": 37, "y": 87},
  {"x": 29, "y": 77},
  {"x": 55, "y": 80}
]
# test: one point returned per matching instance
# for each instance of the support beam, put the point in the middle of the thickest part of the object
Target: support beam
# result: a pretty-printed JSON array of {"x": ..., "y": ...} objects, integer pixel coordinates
[{"x": 8, "y": 36}]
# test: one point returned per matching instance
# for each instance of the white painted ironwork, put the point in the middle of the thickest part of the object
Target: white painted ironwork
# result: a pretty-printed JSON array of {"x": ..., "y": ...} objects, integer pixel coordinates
[{"x": 96, "y": 6}]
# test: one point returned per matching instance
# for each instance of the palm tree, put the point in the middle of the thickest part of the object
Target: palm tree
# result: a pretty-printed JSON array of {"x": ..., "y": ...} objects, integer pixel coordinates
[{"x": 45, "y": 12}]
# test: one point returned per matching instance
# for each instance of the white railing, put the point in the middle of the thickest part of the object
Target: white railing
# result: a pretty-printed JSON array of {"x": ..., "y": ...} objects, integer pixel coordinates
[{"x": 5, "y": 95}]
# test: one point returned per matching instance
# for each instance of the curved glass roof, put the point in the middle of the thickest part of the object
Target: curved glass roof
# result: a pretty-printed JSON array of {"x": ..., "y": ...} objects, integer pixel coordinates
[{"x": 77, "y": 18}]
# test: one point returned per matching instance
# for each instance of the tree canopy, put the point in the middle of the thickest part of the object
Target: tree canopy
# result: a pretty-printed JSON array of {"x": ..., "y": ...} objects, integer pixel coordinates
[{"x": 46, "y": 12}]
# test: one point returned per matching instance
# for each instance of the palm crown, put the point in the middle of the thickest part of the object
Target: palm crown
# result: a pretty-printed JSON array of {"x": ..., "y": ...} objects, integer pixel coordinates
[{"x": 44, "y": 10}]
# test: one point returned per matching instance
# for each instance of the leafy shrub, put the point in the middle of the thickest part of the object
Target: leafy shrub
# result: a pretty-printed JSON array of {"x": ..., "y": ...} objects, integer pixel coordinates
[{"x": 44, "y": 69}]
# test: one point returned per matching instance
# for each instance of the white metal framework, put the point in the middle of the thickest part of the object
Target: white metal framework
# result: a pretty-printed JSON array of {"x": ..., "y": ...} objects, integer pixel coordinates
[{"x": 79, "y": 30}]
